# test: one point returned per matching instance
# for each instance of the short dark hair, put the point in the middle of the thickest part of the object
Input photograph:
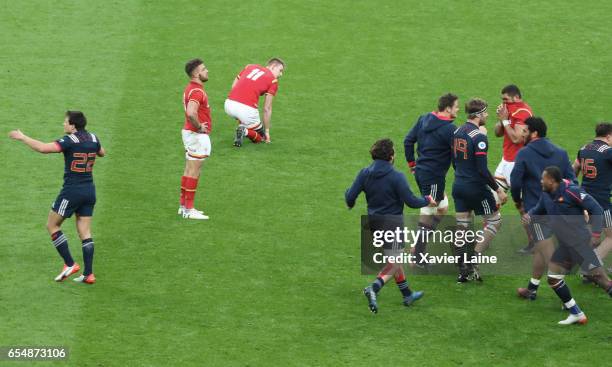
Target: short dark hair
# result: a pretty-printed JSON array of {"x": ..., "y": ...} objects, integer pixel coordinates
[
  {"x": 511, "y": 90},
  {"x": 475, "y": 106},
  {"x": 382, "y": 149},
  {"x": 275, "y": 60},
  {"x": 536, "y": 124},
  {"x": 603, "y": 129},
  {"x": 77, "y": 119},
  {"x": 554, "y": 172},
  {"x": 446, "y": 100},
  {"x": 191, "y": 65}
]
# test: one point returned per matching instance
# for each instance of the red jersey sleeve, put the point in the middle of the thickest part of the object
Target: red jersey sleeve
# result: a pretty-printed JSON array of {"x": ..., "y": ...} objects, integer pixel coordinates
[
  {"x": 273, "y": 88},
  {"x": 520, "y": 115},
  {"x": 196, "y": 95}
]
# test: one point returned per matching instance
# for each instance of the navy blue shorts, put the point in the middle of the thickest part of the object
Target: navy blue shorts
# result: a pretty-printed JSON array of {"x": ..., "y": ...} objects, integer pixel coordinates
[
  {"x": 581, "y": 253},
  {"x": 539, "y": 230},
  {"x": 607, "y": 212},
  {"x": 431, "y": 186},
  {"x": 475, "y": 198},
  {"x": 75, "y": 199}
]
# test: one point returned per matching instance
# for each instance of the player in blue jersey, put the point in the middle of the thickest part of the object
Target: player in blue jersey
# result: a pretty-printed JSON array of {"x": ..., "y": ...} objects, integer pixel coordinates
[
  {"x": 78, "y": 195},
  {"x": 563, "y": 203},
  {"x": 595, "y": 162},
  {"x": 473, "y": 183},
  {"x": 537, "y": 154},
  {"x": 386, "y": 191},
  {"x": 433, "y": 135}
]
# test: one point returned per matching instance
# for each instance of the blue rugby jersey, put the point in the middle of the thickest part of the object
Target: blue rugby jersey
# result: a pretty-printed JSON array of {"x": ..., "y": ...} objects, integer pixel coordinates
[
  {"x": 80, "y": 150},
  {"x": 470, "y": 147},
  {"x": 595, "y": 161}
]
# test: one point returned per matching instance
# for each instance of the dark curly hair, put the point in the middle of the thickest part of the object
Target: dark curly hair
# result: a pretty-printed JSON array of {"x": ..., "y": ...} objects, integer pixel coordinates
[{"x": 382, "y": 149}]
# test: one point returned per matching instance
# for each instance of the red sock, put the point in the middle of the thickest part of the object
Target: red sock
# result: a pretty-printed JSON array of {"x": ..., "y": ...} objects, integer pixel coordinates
[
  {"x": 183, "y": 183},
  {"x": 400, "y": 276},
  {"x": 191, "y": 183},
  {"x": 254, "y": 136}
]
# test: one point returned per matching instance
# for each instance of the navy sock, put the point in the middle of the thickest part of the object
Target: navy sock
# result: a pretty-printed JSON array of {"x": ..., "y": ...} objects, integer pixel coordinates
[
  {"x": 532, "y": 285},
  {"x": 563, "y": 292},
  {"x": 61, "y": 245},
  {"x": 403, "y": 287},
  {"x": 378, "y": 284},
  {"x": 88, "y": 254}
]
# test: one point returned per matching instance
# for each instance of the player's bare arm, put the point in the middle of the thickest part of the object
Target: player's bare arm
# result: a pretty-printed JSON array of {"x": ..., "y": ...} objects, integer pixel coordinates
[
  {"x": 267, "y": 115},
  {"x": 576, "y": 167},
  {"x": 36, "y": 145},
  {"x": 499, "y": 129},
  {"x": 514, "y": 133},
  {"x": 192, "y": 114}
]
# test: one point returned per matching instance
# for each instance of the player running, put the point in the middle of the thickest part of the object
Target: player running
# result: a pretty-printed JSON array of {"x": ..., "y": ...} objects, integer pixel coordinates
[
  {"x": 78, "y": 195},
  {"x": 242, "y": 102},
  {"x": 471, "y": 191},
  {"x": 433, "y": 134},
  {"x": 563, "y": 204},
  {"x": 511, "y": 115},
  {"x": 526, "y": 189},
  {"x": 195, "y": 136},
  {"x": 595, "y": 162},
  {"x": 387, "y": 192}
]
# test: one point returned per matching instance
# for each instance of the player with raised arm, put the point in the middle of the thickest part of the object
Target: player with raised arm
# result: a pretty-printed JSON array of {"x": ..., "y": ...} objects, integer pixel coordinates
[
  {"x": 387, "y": 191},
  {"x": 511, "y": 115},
  {"x": 195, "y": 136},
  {"x": 433, "y": 135},
  {"x": 537, "y": 154},
  {"x": 563, "y": 203},
  {"x": 78, "y": 195},
  {"x": 473, "y": 179},
  {"x": 243, "y": 100},
  {"x": 595, "y": 162}
]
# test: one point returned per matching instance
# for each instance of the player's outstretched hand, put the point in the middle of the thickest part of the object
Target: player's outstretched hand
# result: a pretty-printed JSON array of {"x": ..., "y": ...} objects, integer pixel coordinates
[
  {"x": 526, "y": 219},
  {"x": 503, "y": 197},
  {"x": 432, "y": 202},
  {"x": 16, "y": 134}
]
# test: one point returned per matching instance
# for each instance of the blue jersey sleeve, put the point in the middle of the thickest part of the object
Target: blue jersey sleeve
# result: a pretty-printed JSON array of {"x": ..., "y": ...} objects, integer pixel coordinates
[
  {"x": 516, "y": 177},
  {"x": 65, "y": 143},
  {"x": 409, "y": 141},
  {"x": 481, "y": 147},
  {"x": 406, "y": 194},
  {"x": 351, "y": 194},
  {"x": 568, "y": 170},
  {"x": 586, "y": 202}
]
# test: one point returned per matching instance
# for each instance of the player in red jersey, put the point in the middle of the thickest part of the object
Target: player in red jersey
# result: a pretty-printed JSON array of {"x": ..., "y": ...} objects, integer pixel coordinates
[
  {"x": 242, "y": 102},
  {"x": 195, "y": 136},
  {"x": 511, "y": 115}
]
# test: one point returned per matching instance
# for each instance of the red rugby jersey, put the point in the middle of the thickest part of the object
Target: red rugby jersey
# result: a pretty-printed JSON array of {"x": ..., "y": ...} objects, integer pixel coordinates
[
  {"x": 518, "y": 112},
  {"x": 195, "y": 92},
  {"x": 253, "y": 81}
]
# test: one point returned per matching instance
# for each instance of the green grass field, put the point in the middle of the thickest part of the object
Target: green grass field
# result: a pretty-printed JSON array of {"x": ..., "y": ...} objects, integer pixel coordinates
[{"x": 273, "y": 279}]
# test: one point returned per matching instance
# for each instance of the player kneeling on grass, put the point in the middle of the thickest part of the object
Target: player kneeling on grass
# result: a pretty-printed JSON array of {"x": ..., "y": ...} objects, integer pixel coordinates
[
  {"x": 386, "y": 193},
  {"x": 241, "y": 103},
  {"x": 563, "y": 204},
  {"x": 471, "y": 191},
  {"x": 78, "y": 195}
]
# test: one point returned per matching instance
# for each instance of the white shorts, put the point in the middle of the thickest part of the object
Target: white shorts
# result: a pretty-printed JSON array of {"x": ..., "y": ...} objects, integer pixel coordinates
[
  {"x": 429, "y": 210},
  {"x": 247, "y": 115},
  {"x": 197, "y": 145},
  {"x": 503, "y": 172}
]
